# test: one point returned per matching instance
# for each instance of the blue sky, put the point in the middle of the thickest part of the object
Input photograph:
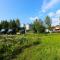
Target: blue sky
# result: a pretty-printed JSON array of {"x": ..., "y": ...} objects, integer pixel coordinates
[{"x": 28, "y": 10}]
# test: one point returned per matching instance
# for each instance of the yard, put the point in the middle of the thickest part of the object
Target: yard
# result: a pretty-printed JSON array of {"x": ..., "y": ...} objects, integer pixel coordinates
[{"x": 30, "y": 47}]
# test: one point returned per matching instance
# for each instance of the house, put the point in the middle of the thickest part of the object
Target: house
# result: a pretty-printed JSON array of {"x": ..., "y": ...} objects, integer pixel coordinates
[
  {"x": 56, "y": 28},
  {"x": 24, "y": 28},
  {"x": 27, "y": 27}
]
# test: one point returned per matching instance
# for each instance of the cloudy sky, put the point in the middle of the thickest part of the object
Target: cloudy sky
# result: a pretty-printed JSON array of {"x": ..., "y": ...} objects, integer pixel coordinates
[{"x": 28, "y": 10}]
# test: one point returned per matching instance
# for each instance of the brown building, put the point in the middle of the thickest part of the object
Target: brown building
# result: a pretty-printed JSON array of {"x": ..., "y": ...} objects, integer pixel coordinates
[{"x": 56, "y": 28}]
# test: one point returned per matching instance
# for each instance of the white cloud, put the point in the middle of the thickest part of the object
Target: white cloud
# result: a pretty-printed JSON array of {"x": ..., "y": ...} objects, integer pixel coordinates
[
  {"x": 57, "y": 13},
  {"x": 55, "y": 21},
  {"x": 54, "y": 14},
  {"x": 51, "y": 14},
  {"x": 47, "y": 5},
  {"x": 55, "y": 17},
  {"x": 33, "y": 18}
]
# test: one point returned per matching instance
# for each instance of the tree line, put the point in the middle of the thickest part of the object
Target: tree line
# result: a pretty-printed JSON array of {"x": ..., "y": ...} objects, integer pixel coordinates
[
  {"x": 38, "y": 26},
  {"x": 12, "y": 24}
]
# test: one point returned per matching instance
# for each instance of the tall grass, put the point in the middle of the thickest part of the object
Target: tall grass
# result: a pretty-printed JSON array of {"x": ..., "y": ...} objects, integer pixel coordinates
[
  {"x": 48, "y": 49},
  {"x": 12, "y": 46},
  {"x": 30, "y": 47}
]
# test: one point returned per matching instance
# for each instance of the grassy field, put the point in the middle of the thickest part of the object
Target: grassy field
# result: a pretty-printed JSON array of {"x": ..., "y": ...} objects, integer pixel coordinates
[{"x": 30, "y": 47}]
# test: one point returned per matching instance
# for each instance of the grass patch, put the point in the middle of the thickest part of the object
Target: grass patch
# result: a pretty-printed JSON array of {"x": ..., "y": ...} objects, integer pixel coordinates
[{"x": 30, "y": 47}]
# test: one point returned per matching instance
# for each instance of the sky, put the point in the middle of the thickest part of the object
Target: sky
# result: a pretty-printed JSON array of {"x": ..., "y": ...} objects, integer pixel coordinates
[{"x": 28, "y": 10}]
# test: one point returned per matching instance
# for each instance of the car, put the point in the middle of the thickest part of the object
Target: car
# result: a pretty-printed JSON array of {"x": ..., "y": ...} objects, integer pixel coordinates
[
  {"x": 11, "y": 31},
  {"x": 3, "y": 31},
  {"x": 22, "y": 30}
]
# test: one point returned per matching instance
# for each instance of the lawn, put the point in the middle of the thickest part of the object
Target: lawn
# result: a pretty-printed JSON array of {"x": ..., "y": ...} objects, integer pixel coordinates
[{"x": 30, "y": 47}]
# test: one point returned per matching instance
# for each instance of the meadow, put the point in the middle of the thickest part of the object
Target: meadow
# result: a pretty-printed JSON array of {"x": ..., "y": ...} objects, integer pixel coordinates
[{"x": 30, "y": 47}]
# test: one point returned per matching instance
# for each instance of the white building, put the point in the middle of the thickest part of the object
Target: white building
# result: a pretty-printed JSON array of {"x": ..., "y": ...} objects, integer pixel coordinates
[{"x": 27, "y": 26}]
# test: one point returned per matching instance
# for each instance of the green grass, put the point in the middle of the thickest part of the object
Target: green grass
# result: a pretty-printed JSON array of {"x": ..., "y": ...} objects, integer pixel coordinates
[
  {"x": 48, "y": 49},
  {"x": 30, "y": 47}
]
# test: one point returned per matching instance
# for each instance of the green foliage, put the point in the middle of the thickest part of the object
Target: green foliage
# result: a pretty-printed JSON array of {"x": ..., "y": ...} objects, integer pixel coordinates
[
  {"x": 48, "y": 21},
  {"x": 10, "y": 24},
  {"x": 30, "y": 47},
  {"x": 0, "y": 26},
  {"x": 4, "y": 24},
  {"x": 49, "y": 49},
  {"x": 17, "y": 22},
  {"x": 10, "y": 46},
  {"x": 38, "y": 26}
]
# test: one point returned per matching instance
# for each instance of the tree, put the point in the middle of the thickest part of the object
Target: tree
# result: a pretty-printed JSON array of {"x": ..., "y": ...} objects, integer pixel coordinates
[
  {"x": 38, "y": 26},
  {"x": 10, "y": 24},
  {"x": 17, "y": 24},
  {"x": 13, "y": 24},
  {"x": 4, "y": 24},
  {"x": 0, "y": 26},
  {"x": 48, "y": 22}
]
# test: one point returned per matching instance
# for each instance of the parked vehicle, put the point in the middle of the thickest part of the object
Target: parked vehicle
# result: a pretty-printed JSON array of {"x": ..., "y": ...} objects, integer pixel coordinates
[
  {"x": 3, "y": 31},
  {"x": 22, "y": 31},
  {"x": 11, "y": 31}
]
